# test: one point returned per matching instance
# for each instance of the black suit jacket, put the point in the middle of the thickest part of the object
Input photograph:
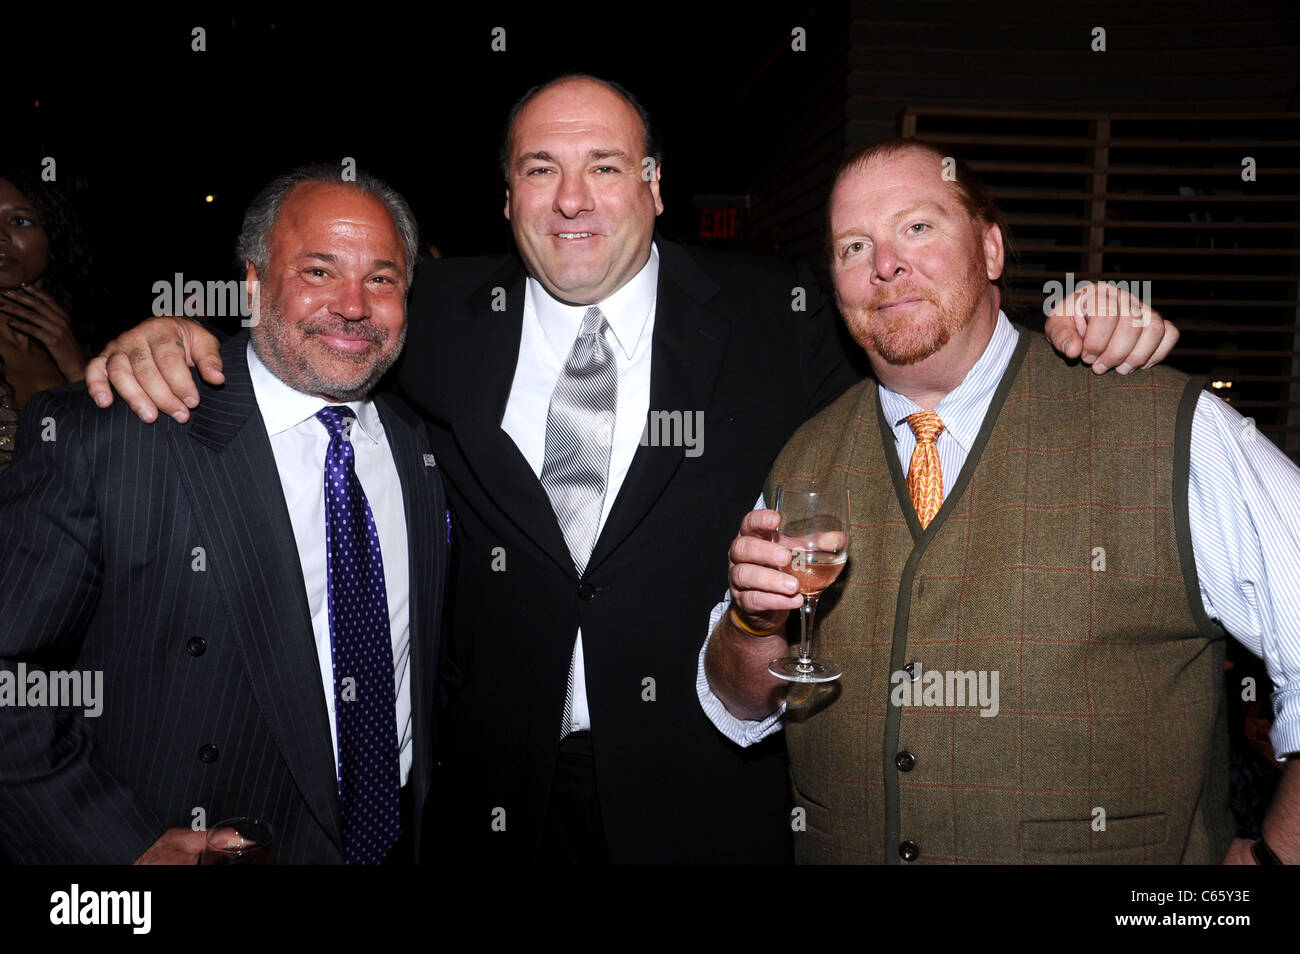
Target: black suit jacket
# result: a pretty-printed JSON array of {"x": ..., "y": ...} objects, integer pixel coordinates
[
  {"x": 163, "y": 556},
  {"x": 727, "y": 342}
]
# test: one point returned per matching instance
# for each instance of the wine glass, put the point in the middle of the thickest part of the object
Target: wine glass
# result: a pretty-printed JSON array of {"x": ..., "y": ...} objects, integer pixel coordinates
[
  {"x": 239, "y": 841},
  {"x": 815, "y": 528}
]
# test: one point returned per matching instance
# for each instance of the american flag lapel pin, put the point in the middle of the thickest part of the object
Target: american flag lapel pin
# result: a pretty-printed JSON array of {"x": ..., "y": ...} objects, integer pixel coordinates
[{"x": 429, "y": 461}]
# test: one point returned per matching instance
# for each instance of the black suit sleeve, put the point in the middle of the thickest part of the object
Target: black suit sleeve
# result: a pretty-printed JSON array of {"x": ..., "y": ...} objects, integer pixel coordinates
[
  {"x": 56, "y": 804},
  {"x": 830, "y": 362}
]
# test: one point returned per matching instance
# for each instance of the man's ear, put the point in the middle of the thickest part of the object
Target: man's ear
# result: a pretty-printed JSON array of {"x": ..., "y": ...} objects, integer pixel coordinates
[
  {"x": 507, "y": 208},
  {"x": 251, "y": 285},
  {"x": 654, "y": 188},
  {"x": 994, "y": 252}
]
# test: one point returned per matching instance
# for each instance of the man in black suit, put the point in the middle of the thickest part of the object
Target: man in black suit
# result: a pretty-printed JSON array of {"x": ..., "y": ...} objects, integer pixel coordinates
[
  {"x": 598, "y": 410},
  {"x": 260, "y": 590}
]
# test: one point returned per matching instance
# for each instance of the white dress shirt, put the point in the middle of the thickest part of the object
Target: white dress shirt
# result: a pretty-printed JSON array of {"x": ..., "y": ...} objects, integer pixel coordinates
[
  {"x": 550, "y": 328},
  {"x": 299, "y": 442},
  {"x": 1243, "y": 512}
]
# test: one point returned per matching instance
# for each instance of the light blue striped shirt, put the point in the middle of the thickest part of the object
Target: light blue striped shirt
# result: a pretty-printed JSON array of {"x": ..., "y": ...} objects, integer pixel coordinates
[{"x": 1243, "y": 511}]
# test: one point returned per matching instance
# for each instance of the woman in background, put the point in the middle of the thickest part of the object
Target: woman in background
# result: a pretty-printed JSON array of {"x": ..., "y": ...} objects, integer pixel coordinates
[{"x": 41, "y": 253}]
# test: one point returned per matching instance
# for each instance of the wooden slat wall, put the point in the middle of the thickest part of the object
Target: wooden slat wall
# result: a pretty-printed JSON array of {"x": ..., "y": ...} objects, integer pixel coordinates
[
  {"x": 796, "y": 108},
  {"x": 1222, "y": 254}
]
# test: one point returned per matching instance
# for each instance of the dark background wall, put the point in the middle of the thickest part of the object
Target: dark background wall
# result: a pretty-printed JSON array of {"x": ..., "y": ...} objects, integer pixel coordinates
[
  {"x": 1180, "y": 95},
  {"x": 872, "y": 60},
  {"x": 143, "y": 128}
]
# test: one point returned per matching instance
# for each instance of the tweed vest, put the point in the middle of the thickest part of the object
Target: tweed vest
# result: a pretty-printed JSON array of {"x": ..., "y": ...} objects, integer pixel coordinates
[{"x": 1059, "y": 571}]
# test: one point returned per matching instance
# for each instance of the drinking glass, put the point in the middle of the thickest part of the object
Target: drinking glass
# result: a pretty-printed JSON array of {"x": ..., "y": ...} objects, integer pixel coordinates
[
  {"x": 815, "y": 527},
  {"x": 239, "y": 841}
]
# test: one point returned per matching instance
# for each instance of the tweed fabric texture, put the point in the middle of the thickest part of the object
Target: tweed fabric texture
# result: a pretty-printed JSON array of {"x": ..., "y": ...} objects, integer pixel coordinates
[{"x": 1053, "y": 563}]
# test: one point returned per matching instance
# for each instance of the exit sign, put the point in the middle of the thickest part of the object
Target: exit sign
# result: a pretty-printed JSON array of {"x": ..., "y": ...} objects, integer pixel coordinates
[
  {"x": 719, "y": 223},
  {"x": 721, "y": 217}
]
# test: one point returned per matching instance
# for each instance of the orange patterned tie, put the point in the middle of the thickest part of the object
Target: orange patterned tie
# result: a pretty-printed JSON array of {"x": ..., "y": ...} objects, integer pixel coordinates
[{"x": 924, "y": 476}]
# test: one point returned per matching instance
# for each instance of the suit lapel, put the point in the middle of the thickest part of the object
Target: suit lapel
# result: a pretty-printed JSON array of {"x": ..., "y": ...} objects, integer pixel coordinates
[
  {"x": 230, "y": 471},
  {"x": 689, "y": 342},
  {"x": 426, "y": 544},
  {"x": 480, "y": 378}
]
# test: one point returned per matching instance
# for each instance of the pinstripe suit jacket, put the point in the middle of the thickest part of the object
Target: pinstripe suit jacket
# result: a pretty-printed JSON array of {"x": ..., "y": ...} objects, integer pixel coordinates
[{"x": 163, "y": 556}]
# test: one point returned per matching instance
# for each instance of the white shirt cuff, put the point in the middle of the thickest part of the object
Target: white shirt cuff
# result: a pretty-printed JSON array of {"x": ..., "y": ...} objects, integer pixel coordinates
[
  {"x": 1285, "y": 734},
  {"x": 744, "y": 732}
]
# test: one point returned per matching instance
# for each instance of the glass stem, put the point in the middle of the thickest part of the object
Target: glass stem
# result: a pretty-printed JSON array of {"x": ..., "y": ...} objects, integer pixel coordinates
[{"x": 806, "y": 614}]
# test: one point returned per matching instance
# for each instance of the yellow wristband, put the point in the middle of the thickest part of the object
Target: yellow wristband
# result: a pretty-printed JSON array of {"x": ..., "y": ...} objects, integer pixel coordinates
[{"x": 735, "y": 618}]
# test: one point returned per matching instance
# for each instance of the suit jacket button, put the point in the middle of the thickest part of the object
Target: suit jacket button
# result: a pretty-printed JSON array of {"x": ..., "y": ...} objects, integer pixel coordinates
[
  {"x": 905, "y": 761},
  {"x": 909, "y": 851},
  {"x": 196, "y": 646},
  {"x": 208, "y": 753},
  {"x": 586, "y": 592}
]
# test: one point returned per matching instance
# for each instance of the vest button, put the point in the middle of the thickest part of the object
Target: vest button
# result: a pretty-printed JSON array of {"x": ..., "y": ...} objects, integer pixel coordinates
[
  {"x": 196, "y": 646},
  {"x": 208, "y": 753},
  {"x": 905, "y": 761},
  {"x": 913, "y": 670},
  {"x": 586, "y": 592},
  {"x": 909, "y": 851}
]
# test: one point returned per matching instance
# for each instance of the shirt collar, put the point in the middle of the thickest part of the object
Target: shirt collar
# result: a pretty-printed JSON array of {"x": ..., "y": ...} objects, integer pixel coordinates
[
  {"x": 283, "y": 408},
  {"x": 963, "y": 408},
  {"x": 627, "y": 310}
]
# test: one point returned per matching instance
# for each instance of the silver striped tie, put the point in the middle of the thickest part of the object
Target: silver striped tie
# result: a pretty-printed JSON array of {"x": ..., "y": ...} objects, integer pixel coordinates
[{"x": 579, "y": 433}]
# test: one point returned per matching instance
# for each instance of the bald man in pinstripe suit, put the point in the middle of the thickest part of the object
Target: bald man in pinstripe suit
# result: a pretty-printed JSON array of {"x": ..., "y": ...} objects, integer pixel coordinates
[{"x": 244, "y": 584}]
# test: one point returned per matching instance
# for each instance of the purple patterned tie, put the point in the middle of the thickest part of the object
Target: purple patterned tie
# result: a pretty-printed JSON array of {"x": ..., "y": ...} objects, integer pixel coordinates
[{"x": 362, "y": 651}]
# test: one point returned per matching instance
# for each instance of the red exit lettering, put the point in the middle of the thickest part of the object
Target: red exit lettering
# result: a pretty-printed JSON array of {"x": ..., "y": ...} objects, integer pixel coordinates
[{"x": 719, "y": 223}]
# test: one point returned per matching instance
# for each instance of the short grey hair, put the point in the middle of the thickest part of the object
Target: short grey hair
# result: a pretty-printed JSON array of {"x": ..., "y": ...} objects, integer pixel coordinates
[{"x": 255, "y": 237}]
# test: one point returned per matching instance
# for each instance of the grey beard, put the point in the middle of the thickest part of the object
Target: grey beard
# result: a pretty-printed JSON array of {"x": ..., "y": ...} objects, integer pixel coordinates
[{"x": 271, "y": 344}]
